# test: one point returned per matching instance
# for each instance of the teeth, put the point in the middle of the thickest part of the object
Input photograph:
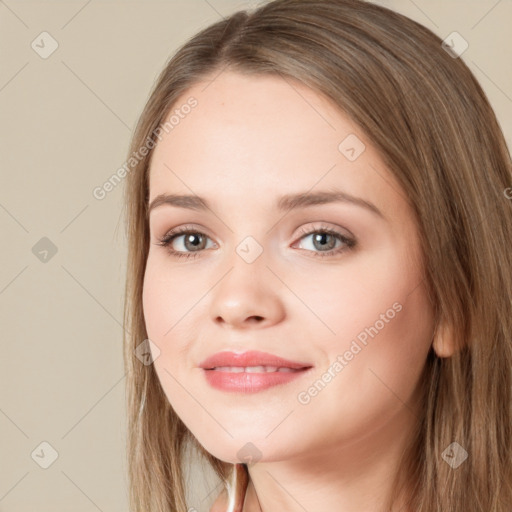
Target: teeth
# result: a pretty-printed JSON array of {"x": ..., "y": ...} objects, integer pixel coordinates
[
  {"x": 252, "y": 369},
  {"x": 234, "y": 369},
  {"x": 259, "y": 369}
]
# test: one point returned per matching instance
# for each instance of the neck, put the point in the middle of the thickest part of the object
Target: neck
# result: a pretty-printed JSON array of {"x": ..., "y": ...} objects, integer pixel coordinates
[{"x": 358, "y": 476}]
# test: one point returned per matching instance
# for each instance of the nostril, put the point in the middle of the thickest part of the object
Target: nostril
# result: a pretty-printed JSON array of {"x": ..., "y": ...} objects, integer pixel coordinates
[{"x": 251, "y": 319}]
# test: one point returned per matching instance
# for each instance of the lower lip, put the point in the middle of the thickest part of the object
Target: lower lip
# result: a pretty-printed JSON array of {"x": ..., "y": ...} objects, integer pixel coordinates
[{"x": 249, "y": 382}]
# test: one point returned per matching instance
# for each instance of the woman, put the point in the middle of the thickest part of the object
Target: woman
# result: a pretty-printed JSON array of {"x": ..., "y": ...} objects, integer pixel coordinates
[{"x": 319, "y": 269}]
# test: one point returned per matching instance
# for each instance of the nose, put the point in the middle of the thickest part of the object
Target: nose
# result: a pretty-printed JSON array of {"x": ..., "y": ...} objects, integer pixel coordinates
[{"x": 248, "y": 296}]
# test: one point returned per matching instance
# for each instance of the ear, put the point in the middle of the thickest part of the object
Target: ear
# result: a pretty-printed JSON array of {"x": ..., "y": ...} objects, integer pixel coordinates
[{"x": 443, "y": 340}]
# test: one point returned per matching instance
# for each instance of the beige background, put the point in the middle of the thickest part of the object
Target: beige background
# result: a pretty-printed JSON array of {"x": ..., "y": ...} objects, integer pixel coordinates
[{"x": 65, "y": 126}]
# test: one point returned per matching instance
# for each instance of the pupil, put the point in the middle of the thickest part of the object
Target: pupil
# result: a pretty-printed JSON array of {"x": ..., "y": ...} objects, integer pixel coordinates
[
  {"x": 190, "y": 240},
  {"x": 320, "y": 237}
]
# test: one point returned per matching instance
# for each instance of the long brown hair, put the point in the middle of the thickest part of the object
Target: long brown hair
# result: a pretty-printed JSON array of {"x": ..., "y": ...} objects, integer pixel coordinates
[{"x": 433, "y": 125}]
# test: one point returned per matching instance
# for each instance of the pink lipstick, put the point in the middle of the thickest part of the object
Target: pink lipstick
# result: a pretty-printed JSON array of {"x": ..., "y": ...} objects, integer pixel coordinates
[{"x": 250, "y": 372}]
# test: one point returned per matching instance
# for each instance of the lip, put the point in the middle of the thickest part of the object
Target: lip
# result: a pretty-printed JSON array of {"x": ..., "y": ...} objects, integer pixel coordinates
[
  {"x": 245, "y": 382},
  {"x": 250, "y": 358}
]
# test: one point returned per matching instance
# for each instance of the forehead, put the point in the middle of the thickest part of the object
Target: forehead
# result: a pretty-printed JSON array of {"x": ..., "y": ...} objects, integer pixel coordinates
[
  {"x": 232, "y": 108},
  {"x": 263, "y": 135}
]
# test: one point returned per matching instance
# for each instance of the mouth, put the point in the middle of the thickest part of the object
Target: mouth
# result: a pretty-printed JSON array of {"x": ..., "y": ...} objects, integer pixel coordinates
[
  {"x": 252, "y": 361},
  {"x": 250, "y": 372},
  {"x": 255, "y": 369}
]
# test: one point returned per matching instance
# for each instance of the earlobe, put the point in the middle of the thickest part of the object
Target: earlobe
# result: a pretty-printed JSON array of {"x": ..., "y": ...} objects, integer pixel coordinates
[{"x": 443, "y": 340}]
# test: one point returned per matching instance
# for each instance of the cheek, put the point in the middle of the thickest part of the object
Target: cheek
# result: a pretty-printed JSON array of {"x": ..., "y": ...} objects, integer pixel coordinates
[
  {"x": 165, "y": 305},
  {"x": 173, "y": 300},
  {"x": 372, "y": 289},
  {"x": 168, "y": 297},
  {"x": 382, "y": 323},
  {"x": 380, "y": 364}
]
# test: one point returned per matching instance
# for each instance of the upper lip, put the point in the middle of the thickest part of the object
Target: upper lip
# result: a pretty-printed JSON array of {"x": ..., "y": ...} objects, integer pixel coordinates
[{"x": 250, "y": 358}]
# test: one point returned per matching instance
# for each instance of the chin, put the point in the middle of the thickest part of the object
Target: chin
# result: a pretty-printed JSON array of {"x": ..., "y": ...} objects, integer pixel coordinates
[{"x": 245, "y": 450}]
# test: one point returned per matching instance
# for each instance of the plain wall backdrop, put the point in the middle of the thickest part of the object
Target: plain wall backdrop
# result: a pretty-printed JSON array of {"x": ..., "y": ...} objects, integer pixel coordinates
[{"x": 74, "y": 77}]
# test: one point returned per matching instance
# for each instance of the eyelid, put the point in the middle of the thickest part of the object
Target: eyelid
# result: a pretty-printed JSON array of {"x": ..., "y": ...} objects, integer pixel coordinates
[
  {"x": 348, "y": 239},
  {"x": 173, "y": 233},
  {"x": 322, "y": 226},
  {"x": 183, "y": 228}
]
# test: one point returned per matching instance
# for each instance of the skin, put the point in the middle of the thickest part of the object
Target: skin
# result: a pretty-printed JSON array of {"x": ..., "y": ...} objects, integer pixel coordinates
[{"x": 248, "y": 141}]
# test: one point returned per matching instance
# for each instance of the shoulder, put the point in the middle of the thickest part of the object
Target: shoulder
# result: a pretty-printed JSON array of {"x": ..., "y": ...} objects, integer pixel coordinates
[{"x": 221, "y": 503}]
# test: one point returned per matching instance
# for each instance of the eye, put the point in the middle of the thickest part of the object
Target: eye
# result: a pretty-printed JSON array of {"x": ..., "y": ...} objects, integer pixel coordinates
[
  {"x": 325, "y": 239},
  {"x": 329, "y": 241},
  {"x": 193, "y": 241}
]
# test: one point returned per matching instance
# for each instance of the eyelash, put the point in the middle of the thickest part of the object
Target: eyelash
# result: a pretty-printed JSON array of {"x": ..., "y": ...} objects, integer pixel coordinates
[{"x": 185, "y": 230}]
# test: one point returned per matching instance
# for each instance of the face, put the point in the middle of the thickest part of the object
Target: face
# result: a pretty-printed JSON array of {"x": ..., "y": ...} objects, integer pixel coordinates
[{"x": 333, "y": 283}]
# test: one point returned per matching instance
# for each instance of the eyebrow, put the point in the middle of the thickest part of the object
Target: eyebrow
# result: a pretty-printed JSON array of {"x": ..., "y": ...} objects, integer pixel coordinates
[{"x": 286, "y": 202}]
